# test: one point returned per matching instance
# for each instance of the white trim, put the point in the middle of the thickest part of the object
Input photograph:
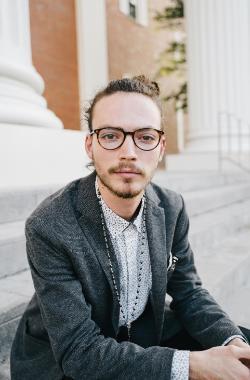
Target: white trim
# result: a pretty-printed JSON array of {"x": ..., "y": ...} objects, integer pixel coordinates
[
  {"x": 124, "y": 6},
  {"x": 142, "y": 12},
  {"x": 91, "y": 47}
]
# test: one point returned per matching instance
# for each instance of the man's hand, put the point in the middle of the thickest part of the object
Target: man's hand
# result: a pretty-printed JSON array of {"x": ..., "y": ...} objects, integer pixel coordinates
[
  {"x": 221, "y": 363},
  {"x": 240, "y": 343}
]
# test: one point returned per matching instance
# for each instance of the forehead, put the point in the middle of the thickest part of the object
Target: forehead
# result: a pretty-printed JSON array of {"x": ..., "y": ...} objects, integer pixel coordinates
[{"x": 129, "y": 110}]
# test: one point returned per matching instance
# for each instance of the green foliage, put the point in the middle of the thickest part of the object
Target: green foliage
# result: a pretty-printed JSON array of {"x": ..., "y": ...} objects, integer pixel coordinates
[
  {"x": 173, "y": 59},
  {"x": 173, "y": 15},
  {"x": 180, "y": 97}
]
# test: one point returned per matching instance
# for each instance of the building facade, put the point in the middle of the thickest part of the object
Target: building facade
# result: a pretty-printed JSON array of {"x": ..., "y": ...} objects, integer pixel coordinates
[{"x": 56, "y": 54}]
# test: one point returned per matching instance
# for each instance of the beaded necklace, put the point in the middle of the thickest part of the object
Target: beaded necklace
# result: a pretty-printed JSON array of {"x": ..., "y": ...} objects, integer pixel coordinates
[{"x": 125, "y": 330}]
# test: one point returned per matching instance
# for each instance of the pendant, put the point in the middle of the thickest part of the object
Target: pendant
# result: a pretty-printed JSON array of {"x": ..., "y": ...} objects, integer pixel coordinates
[{"x": 123, "y": 334}]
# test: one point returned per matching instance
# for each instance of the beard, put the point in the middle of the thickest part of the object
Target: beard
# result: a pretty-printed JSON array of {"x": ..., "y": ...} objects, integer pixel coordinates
[{"x": 128, "y": 192}]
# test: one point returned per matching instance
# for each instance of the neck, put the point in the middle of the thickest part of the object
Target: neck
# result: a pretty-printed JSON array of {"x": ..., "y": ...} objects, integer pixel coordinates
[{"x": 124, "y": 207}]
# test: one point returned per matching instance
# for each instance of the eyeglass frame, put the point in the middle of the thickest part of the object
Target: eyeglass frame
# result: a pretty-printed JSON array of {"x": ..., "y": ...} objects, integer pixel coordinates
[{"x": 125, "y": 133}]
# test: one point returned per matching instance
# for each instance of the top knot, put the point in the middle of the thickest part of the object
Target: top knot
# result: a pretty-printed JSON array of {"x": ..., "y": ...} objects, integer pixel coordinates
[{"x": 150, "y": 84}]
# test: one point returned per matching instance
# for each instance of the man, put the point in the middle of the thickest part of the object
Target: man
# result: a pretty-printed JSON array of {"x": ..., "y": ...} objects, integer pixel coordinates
[{"x": 103, "y": 253}]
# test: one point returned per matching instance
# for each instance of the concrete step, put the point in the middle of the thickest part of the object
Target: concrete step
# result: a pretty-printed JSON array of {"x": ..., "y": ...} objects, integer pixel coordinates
[
  {"x": 230, "y": 260},
  {"x": 12, "y": 248},
  {"x": 213, "y": 227},
  {"x": 192, "y": 161},
  {"x": 5, "y": 370},
  {"x": 202, "y": 201},
  {"x": 15, "y": 292},
  {"x": 185, "y": 181},
  {"x": 17, "y": 204},
  {"x": 225, "y": 273},
  {"x": 237, "y": 306}
]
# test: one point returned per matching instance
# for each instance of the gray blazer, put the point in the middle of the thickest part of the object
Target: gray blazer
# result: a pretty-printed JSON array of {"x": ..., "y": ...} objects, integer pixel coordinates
[{"x": 71, "y": 323}]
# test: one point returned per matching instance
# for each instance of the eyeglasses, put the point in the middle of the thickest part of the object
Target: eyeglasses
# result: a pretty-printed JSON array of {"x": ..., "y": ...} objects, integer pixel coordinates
[{"x": 112, "y": 138}]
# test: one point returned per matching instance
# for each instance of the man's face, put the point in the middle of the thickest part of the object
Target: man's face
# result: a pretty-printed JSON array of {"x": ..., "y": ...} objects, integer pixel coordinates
[{"x": 125, "y": 171}]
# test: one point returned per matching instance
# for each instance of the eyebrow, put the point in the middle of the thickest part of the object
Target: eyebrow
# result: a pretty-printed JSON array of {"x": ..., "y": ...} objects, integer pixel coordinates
[{"x": 118, "y": 127}]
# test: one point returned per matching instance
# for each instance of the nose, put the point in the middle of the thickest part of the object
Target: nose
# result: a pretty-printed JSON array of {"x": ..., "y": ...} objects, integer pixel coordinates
[{"x": 128, "y": 149}]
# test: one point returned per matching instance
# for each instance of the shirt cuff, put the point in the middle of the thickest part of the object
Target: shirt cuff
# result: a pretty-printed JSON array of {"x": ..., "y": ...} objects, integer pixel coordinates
[
  {"x": 180, "y": 365},
  {"x": 228, "y": 340}
]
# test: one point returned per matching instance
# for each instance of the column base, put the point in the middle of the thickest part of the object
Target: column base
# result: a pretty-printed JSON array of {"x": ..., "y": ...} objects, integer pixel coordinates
[
  {"x": 21, "y": 100},
  {"x": 28, "y": 114}
]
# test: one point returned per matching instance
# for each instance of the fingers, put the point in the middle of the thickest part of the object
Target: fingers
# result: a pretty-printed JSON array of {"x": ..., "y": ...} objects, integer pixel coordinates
[
  {"x": 242, "y": 352},
  {"x": 224, "y": 363},
  {"x": 238, "y": 342}
]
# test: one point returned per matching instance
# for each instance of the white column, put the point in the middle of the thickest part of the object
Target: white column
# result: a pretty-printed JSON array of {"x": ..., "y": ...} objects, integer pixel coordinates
[
  {"x": 91, "y": 47},
  {"x": 218, "y": 44},
  {"x": 21, "y": 86}
]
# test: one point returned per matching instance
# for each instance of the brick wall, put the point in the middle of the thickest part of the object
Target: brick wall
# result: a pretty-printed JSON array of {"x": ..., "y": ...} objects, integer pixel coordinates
[
  {"x": 134, "y": 49},
  {"x": 54, "y": 53}
]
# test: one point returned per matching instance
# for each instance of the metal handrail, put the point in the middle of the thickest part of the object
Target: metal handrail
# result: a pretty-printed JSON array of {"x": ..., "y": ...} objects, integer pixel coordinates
[{"x": 231, "y": 153}]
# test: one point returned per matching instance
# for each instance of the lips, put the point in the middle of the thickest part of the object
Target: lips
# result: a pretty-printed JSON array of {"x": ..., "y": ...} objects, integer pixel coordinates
[{"x": 127, "y": 171}]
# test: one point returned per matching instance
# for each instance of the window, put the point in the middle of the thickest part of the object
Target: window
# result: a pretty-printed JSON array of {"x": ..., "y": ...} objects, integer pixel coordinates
[
  {"x": 136, "y": 9},
  {"x": 132, "y": 9}
]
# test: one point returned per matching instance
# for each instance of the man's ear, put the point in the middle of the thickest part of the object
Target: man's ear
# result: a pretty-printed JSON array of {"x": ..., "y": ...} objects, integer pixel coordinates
[
  {"x": 163, "y": 148},
  {"x": 88, "y": 146}
]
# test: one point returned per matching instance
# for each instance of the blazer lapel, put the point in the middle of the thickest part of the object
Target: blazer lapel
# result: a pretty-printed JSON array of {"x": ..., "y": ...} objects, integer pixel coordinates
[
  {"x": 90, "y": 222},
  {"x": 156, "y": 232}
]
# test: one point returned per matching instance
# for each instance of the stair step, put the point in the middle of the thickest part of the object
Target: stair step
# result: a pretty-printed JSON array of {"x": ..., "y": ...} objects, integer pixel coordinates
[
  {"x": 237, "y": 306},
  {"x": 213, "y": 227},
  {"x": 5, "y": 370},
  {"x": 196, "y": 160},
  {"x": 17, "y": 204},
  {"x": 11, "y": 231},
  {"x": 199, "y": 202},
  {"x": 183, "y": 182},
  {"x": 225, "y": 274},
  {"x": 226, "y": 259},
  {"x": 15, "y": 292},
  {"x": 12, "y": 248}
]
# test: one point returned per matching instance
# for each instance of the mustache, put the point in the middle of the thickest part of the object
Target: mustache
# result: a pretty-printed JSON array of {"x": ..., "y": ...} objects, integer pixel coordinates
[{"x": 124, "y": 166}]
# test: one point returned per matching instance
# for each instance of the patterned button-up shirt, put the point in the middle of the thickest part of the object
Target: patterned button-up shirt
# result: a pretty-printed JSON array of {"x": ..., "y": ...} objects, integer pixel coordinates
[{"x": 126, "y": 237}]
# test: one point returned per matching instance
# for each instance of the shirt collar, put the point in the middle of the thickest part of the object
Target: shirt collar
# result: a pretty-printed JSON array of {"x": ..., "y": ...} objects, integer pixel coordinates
[{"x": 116, "y": 224}]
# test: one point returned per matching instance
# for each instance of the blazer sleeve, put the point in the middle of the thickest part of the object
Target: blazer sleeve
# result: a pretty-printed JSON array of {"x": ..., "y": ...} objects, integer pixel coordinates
[
  {"x": 78, "y": 346},
  {"x": 195, "y": 307}
]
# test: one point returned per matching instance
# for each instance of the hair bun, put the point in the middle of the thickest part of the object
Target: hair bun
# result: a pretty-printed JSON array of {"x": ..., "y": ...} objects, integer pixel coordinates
[{"x": 151, "y": 84}]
